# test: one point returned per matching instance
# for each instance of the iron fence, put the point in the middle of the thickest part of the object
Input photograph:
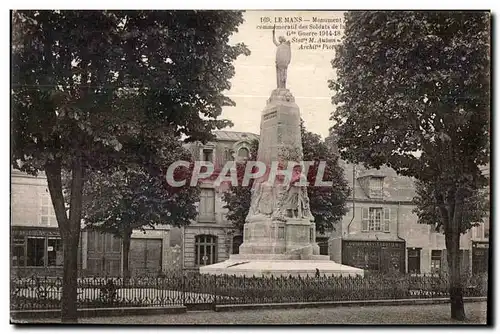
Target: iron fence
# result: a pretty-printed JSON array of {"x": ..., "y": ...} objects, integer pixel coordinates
[{"x": 29, "y": 293}]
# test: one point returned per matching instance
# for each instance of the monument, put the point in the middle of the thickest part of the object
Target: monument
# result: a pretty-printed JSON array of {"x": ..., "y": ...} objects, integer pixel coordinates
[{"x": 279, "y": 232}]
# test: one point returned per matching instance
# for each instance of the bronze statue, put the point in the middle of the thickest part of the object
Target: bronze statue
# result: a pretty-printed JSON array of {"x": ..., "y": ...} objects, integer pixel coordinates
[{"x": 283, "y": 57}]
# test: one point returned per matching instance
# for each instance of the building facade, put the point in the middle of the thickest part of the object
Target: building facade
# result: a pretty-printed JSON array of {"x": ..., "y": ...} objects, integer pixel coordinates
[
  {"x": 211, "y": 238},
  {"x": 381, "y": 231},
  {"x": 36, "y": 246}
]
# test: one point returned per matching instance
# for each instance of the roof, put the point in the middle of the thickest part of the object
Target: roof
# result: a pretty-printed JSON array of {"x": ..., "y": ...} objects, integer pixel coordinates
[
  {"x": 235, "y": 136},
  {"x": 396, "y": 187}
]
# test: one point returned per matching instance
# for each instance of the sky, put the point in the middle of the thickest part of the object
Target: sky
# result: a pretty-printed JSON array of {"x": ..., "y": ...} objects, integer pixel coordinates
[{"x": 308, "y": 72}]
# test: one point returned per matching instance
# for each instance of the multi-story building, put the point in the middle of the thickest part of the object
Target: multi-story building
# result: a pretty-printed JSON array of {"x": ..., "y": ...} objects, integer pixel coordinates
[
  {"x": 35, "y": 240},
  {"x": 36, "y": 246},
  {"x": 381, "y": 231},
  {"x": 211, "y": 238}
]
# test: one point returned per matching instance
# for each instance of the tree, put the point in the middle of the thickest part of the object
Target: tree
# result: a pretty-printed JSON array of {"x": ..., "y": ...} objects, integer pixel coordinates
[
  {"x": 133, "y": 197},
  {"x": 475, "y": 207},
  {"x": 328, "y": 204},
  {"x": 94, "y": 89},
  {"x": 412, "y": 92},
  {"x": 237, "y": 198}
]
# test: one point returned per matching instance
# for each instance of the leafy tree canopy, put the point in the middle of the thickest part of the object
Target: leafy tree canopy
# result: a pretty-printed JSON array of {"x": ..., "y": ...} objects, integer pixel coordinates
[
  {"x": 93, "y": 90},
  {"x": 413, "y": 92},
  {"x": 134, "y": 197}
]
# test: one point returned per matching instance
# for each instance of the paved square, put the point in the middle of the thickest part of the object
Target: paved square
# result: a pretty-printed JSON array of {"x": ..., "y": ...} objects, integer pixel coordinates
[{"x": 414, "y": 314}]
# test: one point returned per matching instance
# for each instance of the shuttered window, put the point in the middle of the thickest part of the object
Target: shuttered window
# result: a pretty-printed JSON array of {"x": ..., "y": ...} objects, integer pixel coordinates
[
  {"x": 207, "y": 205},
  {"x": 376, "y": 219}
]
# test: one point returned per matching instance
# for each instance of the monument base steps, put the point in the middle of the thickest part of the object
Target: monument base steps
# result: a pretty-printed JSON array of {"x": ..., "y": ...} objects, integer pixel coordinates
[{"x": 245, "y": 266}]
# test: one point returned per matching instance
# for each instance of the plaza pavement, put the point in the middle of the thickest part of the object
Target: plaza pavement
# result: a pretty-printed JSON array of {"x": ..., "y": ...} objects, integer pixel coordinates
[{"x": 413, "y": 314}]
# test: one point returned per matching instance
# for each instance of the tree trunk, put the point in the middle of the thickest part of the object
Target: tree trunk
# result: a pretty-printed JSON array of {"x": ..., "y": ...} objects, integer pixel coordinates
[
  {"x": 126, "y": 250},
  {"x": 455, "y": 288},
  {"x": 70, "y": 276},
  {"x": 71, "y": 236}
]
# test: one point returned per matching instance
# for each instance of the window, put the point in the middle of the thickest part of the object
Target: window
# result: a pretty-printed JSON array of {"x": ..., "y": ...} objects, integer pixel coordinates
[
  {"x": 208, "y": 154},
  {"x": 35, "y": 252},
  {"x": 372, "y": 259},
  {"x": 228, "y": 155},
  {"x": 323, "y": 245},
  {"x": 376, "y": 187},
  {"x": 413, "y": 261},
  {"x": 237, "y": 241},
  {"x": 18, "y": 257},
  {"x": 205, "y": 249},
  {"x": 375, "y": 222},
  {"x": 376, "y": 219},
  {"x": 480, "y": 257},
  {"x": 48, "y": 216},
  {"x": 207, "y": 205},
  {"x": 54, "y": 252},
  {"x": 243, "y": 153},
  {"x": 486, "y": 229},
  {"x": 436, "y": 260},
  {"x": 482, "y": 231}
]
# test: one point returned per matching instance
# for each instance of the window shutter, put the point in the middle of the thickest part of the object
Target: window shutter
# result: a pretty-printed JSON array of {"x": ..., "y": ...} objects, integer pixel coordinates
[
  {"x": 211, "y": 203},
  {"x": 202, "y": 207},
  {"x": 365, "y": 218},
  {"x": 387, "y": 219}
]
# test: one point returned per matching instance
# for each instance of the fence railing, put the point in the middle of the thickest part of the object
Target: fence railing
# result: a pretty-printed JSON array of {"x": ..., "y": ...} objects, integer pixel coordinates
[{"x": 29, "y": 293}]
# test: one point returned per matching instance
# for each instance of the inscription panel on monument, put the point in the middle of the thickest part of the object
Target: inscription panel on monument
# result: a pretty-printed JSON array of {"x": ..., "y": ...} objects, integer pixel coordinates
[
  {"x": 281, "y": 232},
  {"x": 270, "y": 115}
]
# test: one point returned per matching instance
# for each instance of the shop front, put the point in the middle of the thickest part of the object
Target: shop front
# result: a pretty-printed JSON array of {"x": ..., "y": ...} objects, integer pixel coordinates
[
  {"x": 383, "y": 256},
  {"x": 36, "y": 251},
  {"x": 480, "y": 257}
]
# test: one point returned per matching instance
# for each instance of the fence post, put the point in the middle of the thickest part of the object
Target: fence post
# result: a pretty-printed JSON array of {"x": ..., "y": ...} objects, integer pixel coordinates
[
  {"x": 183, "y": 288},
  {"x": 215, "y": 292}
]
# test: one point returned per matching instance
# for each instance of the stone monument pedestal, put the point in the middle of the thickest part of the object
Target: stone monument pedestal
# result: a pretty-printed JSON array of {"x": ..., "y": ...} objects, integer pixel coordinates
[
  {"x": 265, "y": 236},
  {"x": 279, "y": 249}
]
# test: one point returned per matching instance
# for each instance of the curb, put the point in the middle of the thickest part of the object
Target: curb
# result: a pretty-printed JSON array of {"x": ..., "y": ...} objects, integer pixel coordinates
[
  {"x": 383, "y": 302},
  {"x": 98, "y": 312}
]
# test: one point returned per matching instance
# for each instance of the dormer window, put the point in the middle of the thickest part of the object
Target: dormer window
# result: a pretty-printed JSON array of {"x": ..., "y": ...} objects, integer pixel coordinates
[
  {"x": 376, "y": 187},
  {"x": 243, "y": 153},
  {"x": 208, "y": 154}
]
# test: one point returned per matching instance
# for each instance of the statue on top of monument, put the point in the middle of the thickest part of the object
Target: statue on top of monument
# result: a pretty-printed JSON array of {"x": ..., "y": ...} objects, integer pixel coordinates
[{"x": 283, "y": 57}]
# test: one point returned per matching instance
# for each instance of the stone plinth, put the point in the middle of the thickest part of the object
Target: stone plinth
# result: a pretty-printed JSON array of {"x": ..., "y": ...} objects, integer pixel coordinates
[
  {"x": 265, "y": 267},
  {"x": 265, "y": 236}
]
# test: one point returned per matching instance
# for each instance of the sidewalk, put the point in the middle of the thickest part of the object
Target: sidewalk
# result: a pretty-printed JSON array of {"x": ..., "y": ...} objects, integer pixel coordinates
[{"x": 411, "y": 314}]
